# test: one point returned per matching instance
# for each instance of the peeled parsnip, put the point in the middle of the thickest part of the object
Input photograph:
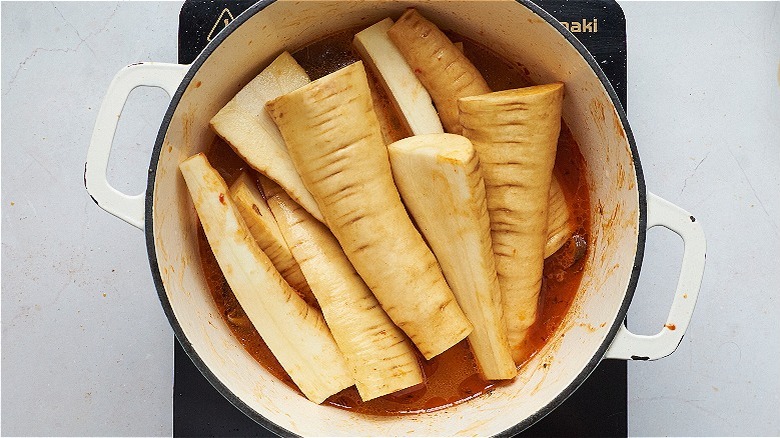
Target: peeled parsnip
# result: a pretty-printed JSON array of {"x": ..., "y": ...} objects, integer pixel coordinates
[
  {"x": 559, "y": 227},
  {"x": 441, "y": 184},
  {"x": 245, "y": 125},
  {"x": 263, "y": 227},
  {"x": 443, "y": 69},
  {"x": 295, "y": 333},
  {"x": 515, "y": 133},
  {"x": 380, "y": 356},
  {"x": 334, "y": 140},
  {"x": 407, "y": 94}
]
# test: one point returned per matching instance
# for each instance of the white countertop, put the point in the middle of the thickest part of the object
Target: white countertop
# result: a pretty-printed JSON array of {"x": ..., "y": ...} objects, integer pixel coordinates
[{"x": 86, "y": 349}]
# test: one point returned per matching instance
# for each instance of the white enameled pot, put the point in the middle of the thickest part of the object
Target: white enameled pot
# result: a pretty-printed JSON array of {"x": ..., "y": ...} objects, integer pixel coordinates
[{"x": 621, "y": 212}]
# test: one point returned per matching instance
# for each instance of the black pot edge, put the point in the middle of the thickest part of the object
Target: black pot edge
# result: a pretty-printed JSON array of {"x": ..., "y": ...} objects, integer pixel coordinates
[{"x": 270, "y": 425}]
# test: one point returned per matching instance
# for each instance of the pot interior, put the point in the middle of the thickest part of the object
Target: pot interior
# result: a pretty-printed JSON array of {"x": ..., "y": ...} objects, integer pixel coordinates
[{"x": 517, "y": 34}]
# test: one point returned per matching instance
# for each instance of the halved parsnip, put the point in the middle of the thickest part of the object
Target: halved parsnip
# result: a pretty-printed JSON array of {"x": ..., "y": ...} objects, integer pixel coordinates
[
  {"x": 334, "y": 140},
  {"x": 382, "y": 359},
  {"x": 258, "y": 217},
  {"x": 244, "y": 124},
  {"x": 295, "y": 332},
  {"x": 407, "y": 94},
  {"x": 443, "y": 69},
  {"x": 559, "y": 228},
  {"x": 516, "y": 133},
  {"x": 441, "y": 184}
]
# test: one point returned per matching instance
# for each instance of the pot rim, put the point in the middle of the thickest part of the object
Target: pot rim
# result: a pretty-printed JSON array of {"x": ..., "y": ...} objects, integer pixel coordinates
[{"x": 270, "y": 425}]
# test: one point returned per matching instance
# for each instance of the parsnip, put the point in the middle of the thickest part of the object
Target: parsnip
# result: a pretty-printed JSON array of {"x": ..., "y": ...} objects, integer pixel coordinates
[
  {"x": 441, "y": 183},
  {"x": 515, "y": 133},
  {"x": 334, "y": 140},
  {"x": 380, "y": 356},
  {"x": 244, "y": 124},
  {"x": 407, "y": 94},
  {"x": 559, "y": 227},
  {"x": 443, "y": 69},
  {"x": 295, "y": 333},
  {"x": 264, "y": 229}
]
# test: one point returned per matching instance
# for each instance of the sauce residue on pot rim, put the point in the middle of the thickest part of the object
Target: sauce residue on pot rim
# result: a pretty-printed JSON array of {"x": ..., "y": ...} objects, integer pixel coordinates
[{"x": 450, "y": 378}]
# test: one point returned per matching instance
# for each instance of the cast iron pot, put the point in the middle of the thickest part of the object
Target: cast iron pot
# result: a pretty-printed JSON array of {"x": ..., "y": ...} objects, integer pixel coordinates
[{"x": 621, "y": 212}]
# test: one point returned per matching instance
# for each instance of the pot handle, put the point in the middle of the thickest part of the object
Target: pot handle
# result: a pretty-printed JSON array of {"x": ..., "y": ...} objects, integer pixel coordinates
[
  {"x": 628, "y": 345},
  {"x": 129, "y": 208}
]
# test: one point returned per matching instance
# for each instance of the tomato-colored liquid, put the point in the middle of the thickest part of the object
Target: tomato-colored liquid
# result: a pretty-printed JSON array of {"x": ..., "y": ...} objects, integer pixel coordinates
[{"x": 451, "y": 377}]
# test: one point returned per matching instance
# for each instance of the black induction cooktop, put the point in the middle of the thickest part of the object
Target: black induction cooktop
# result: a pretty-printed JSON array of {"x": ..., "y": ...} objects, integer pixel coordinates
[{"x": 597, "y": 408}]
